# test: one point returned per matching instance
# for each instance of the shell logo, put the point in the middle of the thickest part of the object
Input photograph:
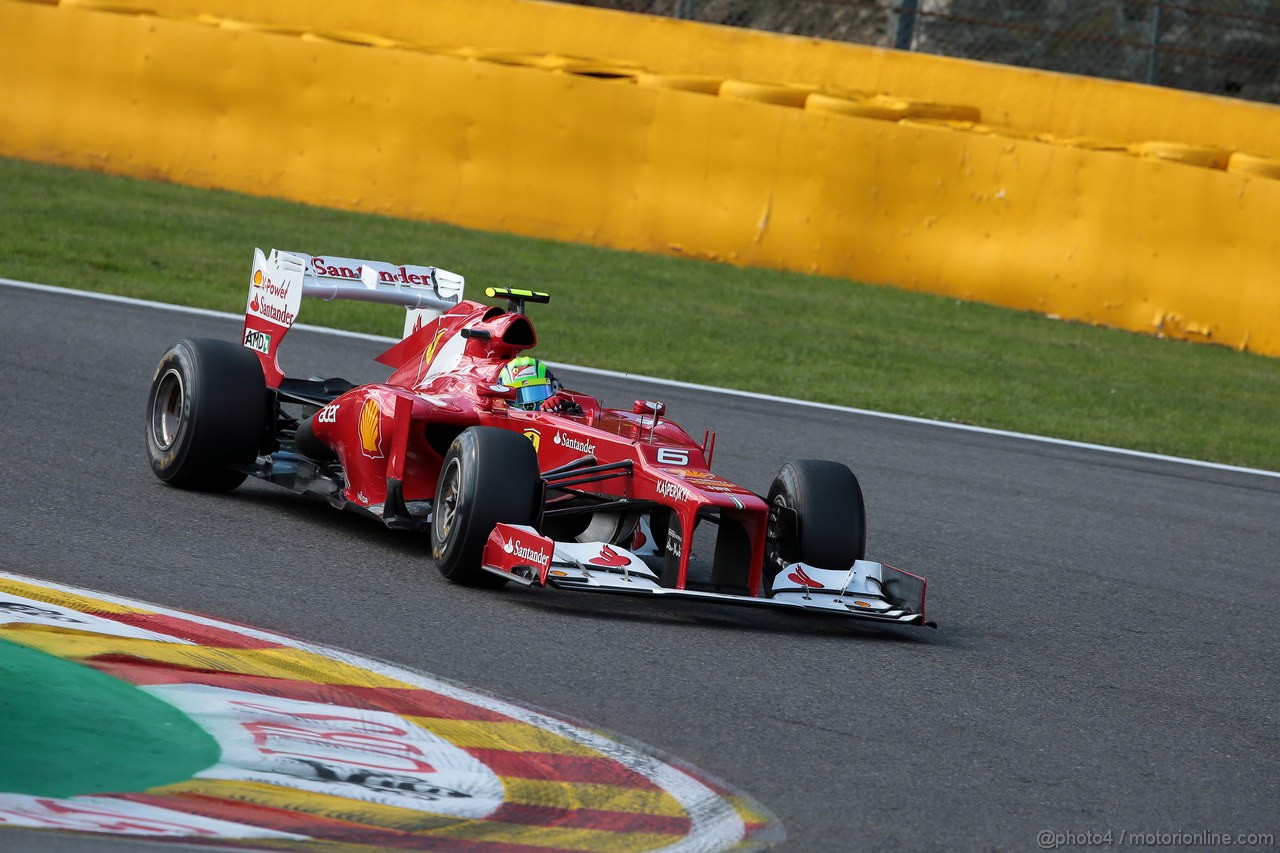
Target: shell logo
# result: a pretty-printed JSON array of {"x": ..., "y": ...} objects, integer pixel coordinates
[
  {"x": 371, "y": 429},
  {"x": 257, "y": 278}
]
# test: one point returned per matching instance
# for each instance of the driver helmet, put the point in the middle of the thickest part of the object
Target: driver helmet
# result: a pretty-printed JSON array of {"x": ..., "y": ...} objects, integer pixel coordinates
[{"x": 531, "y": 379}]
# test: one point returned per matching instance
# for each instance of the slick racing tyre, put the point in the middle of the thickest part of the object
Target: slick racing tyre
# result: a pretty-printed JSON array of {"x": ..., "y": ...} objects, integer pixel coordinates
[
  {"x": 489, "y": 475},
  {"x": 816, "y": 516},
  {"x": 207, "y": 411}
]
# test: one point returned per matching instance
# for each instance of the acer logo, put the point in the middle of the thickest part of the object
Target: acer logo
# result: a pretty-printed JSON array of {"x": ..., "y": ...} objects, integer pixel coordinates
[{"x": 328, "y": 415}]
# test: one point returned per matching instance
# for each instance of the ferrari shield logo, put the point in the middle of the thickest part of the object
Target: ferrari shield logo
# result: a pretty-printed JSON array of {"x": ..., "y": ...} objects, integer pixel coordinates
[
  {"x": 430, "y": 352},
  {"x": 535, "y": 438}
]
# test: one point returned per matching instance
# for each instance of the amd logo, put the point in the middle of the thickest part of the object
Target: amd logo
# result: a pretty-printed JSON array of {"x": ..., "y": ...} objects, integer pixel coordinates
[{"x": 257, "y": 341}]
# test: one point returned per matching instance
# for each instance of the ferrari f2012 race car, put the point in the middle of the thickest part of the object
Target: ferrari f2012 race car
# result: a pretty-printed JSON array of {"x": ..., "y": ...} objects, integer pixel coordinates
[{"x": 582, "y": 498}]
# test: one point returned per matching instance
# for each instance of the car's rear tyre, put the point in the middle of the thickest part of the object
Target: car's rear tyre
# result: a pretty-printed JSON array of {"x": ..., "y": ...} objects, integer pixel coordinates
[
  {"x": 206, "y": 412},
  {"x": 816, "y": 516},
  {"x": 489, "y": 475}
]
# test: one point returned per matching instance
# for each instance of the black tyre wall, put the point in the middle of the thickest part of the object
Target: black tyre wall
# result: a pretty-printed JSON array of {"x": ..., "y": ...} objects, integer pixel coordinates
[
  {"x": 830, "y": 529},
  {"x": 221, "y": 414},
  {"x": 497, "y": 480}
]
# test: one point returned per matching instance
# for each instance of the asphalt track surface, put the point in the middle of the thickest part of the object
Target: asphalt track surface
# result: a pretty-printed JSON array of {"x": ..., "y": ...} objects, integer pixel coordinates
[{"x": 1107, "y": 656}]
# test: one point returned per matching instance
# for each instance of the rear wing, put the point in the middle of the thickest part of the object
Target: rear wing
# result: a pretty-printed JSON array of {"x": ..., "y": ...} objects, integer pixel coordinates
[{"x": 280, "y": 280}]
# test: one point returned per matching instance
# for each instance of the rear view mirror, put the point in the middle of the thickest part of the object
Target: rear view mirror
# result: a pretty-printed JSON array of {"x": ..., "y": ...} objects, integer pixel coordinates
[{"x": 496, "y": 392}]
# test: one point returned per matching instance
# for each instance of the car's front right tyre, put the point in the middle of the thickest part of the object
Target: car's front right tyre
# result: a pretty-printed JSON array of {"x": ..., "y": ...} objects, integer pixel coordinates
[{"x": 816, "y": 517}]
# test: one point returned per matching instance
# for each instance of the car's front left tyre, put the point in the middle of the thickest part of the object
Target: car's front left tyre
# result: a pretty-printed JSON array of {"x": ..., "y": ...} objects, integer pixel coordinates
[
  {"x": 489, "y": 475},
  {"x": 207, "y": 412}
]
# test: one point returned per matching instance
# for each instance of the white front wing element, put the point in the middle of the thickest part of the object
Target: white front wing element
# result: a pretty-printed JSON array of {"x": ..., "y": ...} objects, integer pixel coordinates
[
  {"x": 858, "y": 592},
  {"x": 859, "y": 589},
  {"x": 600, "y": 565}
]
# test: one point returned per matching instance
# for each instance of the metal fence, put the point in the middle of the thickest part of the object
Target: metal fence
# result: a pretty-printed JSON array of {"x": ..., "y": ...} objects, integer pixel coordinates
[{"x": 1227, "y": 47}]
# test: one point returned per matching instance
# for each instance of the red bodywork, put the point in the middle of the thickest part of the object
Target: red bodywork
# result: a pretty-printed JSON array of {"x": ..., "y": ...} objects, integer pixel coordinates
[{"x": 445, "y": 379}]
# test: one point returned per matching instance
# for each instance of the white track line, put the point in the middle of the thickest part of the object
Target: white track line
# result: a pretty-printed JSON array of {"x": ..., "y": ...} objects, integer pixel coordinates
[{"x": 691, "y": 386}]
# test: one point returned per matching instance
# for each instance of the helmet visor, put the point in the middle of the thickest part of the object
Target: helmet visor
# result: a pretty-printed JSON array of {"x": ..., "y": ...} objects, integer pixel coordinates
[{"x": 529, "y": 396}]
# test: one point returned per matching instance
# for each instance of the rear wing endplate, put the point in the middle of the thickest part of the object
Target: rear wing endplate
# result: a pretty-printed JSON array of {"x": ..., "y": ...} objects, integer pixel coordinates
[{"x": 280, "y": 280}]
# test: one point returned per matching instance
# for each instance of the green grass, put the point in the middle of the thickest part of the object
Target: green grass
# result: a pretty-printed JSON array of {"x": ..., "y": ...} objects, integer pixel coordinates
[{"x": 794, "y": 335}]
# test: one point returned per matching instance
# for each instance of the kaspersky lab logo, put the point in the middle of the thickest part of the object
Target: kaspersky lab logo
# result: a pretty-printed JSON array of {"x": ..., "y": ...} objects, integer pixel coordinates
[
  {"x": 670, "y": 490},
  {"x": 539, "y": 558}
]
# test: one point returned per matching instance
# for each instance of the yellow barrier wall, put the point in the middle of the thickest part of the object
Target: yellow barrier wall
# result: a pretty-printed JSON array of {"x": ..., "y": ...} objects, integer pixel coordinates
[
  {"x": 956, "y": 208},
  {"x": 1061, "y": 105}
]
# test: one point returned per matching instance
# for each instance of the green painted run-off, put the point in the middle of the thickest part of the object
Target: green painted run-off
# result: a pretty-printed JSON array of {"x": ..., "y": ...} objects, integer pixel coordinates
[{"x": 67, "y": 729}]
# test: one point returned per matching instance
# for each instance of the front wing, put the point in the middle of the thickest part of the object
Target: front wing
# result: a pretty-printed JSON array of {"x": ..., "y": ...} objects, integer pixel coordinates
[{"x": 867, "y": 591}]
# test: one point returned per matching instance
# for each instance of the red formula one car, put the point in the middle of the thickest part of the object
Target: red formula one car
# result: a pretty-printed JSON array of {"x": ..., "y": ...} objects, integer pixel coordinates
[{"x": 581, "y": 498}]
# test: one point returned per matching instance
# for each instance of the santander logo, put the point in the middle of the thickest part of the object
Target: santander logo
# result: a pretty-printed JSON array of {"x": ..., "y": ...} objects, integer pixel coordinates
[
  {"x": 538, "y": 557},
  {"x": 574, "y": 444},
  {"x": 264, "y": 292},
  {"x": 799, "y": 576},
  {"x": 609, "y": 557}
]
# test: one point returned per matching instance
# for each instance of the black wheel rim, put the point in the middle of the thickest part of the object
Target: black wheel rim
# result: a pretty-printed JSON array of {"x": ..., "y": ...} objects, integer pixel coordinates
[{"x": 776, "y": 548}]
